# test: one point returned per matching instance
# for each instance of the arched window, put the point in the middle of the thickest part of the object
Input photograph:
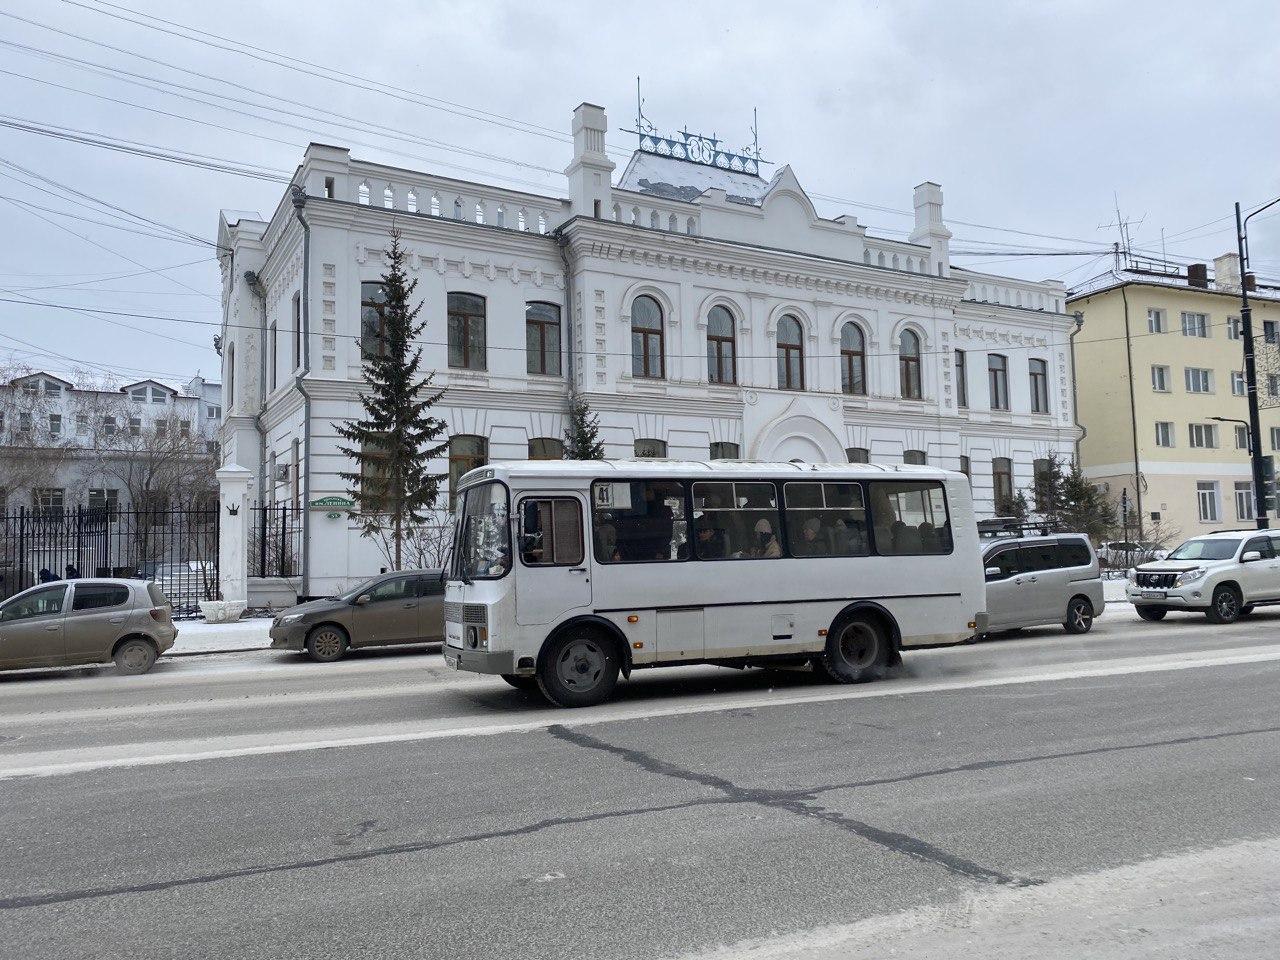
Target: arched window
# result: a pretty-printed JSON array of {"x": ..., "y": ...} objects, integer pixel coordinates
[
  {"x": 654, "y": 220},
  {"x": 909, "y": 365},
  {"x": 916, "y": 458},
  {"x": 465, "y": 453},
  {"x": 362, "y": 194},
  {"x": 853, "y": 359},
  {"x": 542, "y": 339},
  {"x": 650, "y": 448},
  {"x": 646, "y": 338},
  {"x": 546, "y": 448},
  {"x": 724, "y": 450},
  {"x": 721, "y": 358},
  {"x": 466, "y": 331},
  {"x": 411, "y": 200},
  {"x": 790, "y": 354},
  {"x": 858, "y": 454}
]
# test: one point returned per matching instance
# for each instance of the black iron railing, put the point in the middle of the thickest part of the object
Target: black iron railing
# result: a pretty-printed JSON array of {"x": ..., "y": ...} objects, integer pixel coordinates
[{"x": 275, "y": 541}]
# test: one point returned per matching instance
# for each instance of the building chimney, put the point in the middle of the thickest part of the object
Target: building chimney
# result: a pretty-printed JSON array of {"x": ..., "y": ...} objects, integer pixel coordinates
[
  {"x": 1226, "y": 272},
  {"x": 930, "y": 229},
  {"x": 590, "y": 173},
  {"x": 1198, "y": 275}
]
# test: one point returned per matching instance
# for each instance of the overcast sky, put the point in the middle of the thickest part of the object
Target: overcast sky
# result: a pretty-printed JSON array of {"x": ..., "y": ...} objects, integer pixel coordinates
[{"x": 1034, "y": 117}]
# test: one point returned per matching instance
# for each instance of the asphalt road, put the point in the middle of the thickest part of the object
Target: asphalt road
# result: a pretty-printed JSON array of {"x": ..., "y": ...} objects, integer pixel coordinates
[{"x": 1044, "y": 795}]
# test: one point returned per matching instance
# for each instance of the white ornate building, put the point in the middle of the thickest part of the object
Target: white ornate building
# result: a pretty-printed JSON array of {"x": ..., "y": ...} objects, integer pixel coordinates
[{"x": 702, "y": 310}]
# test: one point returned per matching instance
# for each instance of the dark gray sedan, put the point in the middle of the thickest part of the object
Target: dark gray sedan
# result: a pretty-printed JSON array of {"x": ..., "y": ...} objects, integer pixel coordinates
[{"x": 392, "y": 609}]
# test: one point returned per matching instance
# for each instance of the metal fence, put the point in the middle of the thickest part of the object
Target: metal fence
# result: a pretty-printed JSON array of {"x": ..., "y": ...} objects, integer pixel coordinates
[
  {"x": 275, "y": 541},
  {"x": 176, "y": 548}
]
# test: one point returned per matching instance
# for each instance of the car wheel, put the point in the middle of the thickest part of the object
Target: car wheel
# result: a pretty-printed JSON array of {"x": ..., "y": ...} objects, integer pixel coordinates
[
  {"x": 579, "y": 668},
  {"x": 1079, "y": 615},
  {"x": 857, "y": 650},
  {"x": 327, "y": 643},
  {"x": 1151, "y": 613},
  {"x": 1225, "y": 605},
  {"x": 135, "y": 656},
  {"x": 527, "y": 684}
]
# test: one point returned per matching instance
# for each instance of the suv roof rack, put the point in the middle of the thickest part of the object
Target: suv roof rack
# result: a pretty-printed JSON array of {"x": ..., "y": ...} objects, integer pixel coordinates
[{"x": 1010, "y": 527}]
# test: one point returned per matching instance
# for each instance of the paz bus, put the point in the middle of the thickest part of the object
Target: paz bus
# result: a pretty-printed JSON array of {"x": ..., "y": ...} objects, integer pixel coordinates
[{"x": 566, "y": 574}]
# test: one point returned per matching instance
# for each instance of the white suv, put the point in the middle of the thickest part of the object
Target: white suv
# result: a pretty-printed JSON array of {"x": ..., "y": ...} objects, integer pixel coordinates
[{"x": 1223, "y": 575}]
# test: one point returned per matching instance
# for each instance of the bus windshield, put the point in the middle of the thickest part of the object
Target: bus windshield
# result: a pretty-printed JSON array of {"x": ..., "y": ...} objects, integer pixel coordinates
[{"x": 484, "y": 536}]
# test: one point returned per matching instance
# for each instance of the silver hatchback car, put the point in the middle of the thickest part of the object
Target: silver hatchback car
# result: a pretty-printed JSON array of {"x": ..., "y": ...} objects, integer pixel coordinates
[
  {"x": 1037, "y": 580},
  {"x": 72, "y": 622}
]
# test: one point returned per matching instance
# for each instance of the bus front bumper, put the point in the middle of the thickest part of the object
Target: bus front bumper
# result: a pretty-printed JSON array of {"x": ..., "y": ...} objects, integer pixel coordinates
[{"x": 482, "y": 661}]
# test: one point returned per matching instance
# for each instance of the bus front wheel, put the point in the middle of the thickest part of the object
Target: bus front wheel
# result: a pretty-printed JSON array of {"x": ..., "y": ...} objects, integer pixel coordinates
[
  {"x": 579, "y": 668},
  {"x": 857, "y": 650}
]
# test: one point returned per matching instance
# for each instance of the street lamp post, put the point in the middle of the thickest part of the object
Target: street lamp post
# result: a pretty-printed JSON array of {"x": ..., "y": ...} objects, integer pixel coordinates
[{"x": 1251, "y": 370}]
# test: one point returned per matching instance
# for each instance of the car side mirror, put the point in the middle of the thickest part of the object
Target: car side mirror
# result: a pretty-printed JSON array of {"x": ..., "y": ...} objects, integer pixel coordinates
[
  {"x": 992, "y": 572},
  {"x": 1249, "y": 556},
  {"x": 361, "y": 600}
]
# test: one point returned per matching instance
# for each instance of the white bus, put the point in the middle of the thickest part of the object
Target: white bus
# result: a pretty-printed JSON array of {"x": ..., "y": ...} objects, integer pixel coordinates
[{"x": 566, "y": 573}]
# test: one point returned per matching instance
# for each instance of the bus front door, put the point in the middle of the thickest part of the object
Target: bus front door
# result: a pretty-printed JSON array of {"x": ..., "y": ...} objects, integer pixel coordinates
[{"x": 553, "y": 575}]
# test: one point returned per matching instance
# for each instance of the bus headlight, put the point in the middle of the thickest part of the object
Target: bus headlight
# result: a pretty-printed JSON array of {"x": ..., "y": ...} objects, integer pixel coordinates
[{"x": 477, "y": 637}]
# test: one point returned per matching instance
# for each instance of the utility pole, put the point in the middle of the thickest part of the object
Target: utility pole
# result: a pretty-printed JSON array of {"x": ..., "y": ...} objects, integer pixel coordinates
[{"x": 1260, "y": 472}]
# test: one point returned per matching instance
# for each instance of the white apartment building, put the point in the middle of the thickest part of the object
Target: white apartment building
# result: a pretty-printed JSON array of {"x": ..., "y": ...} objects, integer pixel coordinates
[
  {"x": 65, "y": 445},
  {"x": 697, "y": 301}
]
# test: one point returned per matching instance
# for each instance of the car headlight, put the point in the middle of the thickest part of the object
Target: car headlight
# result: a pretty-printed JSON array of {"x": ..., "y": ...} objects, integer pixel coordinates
[
  {"x": 291, "y": 618},
  {"x": 1191, "y": 576}
]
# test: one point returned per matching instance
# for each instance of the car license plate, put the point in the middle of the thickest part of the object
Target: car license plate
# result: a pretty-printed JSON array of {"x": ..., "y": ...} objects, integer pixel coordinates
[
  {"x": 452, "y": 661},
  {"x": 1153, "y": 595}
]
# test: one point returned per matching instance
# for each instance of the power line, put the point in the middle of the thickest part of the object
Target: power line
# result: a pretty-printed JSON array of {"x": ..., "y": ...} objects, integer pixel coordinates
[
  {"x": 104, "y": 278},
  {"x": 100, "y": 223}
]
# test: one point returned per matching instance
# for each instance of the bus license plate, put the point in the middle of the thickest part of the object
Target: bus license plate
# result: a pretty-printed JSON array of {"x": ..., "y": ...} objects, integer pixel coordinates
[{"x": 1152, "y": 594}]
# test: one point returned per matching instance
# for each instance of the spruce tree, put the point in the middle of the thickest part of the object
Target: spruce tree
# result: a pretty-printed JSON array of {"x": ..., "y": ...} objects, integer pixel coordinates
[
  {"x": 581, "y": 437},
  {"x": 397, "y": 437}
]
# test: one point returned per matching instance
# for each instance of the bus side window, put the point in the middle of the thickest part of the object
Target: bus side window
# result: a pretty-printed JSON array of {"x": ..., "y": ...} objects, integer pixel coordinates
[
  {"x": 736, "y": 520},
  {"x": 910, "y": 518},
  {"x": 550, "y": 532},
  {"x": 826, "y": 520},
  {"x": 639, "y": 521}
]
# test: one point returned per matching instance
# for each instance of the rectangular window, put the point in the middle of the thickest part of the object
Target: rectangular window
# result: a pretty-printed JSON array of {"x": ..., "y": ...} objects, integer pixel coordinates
[
  {"x": 1242, "y": 437},
  {"x": 139, "y": 395},
  {"x": 962, "y": 382},
  {"x": 1244, "y": 499},
  {"x": 1164, "y": 433},
  {"x": 998, "y": 380},
  {"x": 373, "y": 301},
  {"x": 55, "y": 424},
  {"x": 1269, "y": 331},
  {"x": 1275, "y": 438},
  {"x": 639, "y": 521},
  {"x": 1160, "y": 379},
  {"x": 1195, "y": 325},
  {"x": 466, "y": 329},
  {"x": 109, "y": 426},
  {"x": 1203, "y": 435},
  {"x": 184, "y": 429},
  {"x": 1237, "y": 383},
  {"x": 736, "y": 521},
  {"x": 542, "y": 339},
  {"x": 24, "y": 422},
  {"x": 162, "y": 429},
  {"x": 649, "y": 449},
  {"x": 1207, "y": 500},
  {"x": 1155, "y": 321},
  {"x": 1273, "y": 385},
  {"x": 47, "y": 502},
  {"x": 135, "y": 426},
  {"x": 1002, "y": 480},
  {"x": 159, "y": 396},
  {"x": 52, "y": 389},
  {"x": 1039, "y": 386},
  {"x": 1198, "y": 379},
  {"x": 915, "y": 458},
  {"x": 858, "y": 454},
  {"x": 104, "y": 501},
  {"x": 82, "y": 424},
  {"x": 214, "y": 413},
  {"x": 551, "y": 532},
  {"x": 910, "y": 518},
  {"x": 1234, "y": 329},
  {"x": 724, "y": 450},
  {"x": 826, "y": 520}
]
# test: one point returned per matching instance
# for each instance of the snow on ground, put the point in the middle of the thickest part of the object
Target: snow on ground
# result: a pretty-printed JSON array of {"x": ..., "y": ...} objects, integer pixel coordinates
[{"x": 196, "y": 636}]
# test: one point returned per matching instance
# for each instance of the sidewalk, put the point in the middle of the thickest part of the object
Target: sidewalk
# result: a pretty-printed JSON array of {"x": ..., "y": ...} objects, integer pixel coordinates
[{"x": 196, "y": 636}]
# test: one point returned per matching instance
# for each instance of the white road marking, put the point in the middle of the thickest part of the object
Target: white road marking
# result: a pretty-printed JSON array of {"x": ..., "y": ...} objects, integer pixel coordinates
[{"x": 540, "y": 719}]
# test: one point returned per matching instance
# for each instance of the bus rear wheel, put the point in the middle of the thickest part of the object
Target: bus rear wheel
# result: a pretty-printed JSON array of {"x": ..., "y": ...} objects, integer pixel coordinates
[
  {"x": 579, "y": 668},
  {"x": 857, "y": 650}
]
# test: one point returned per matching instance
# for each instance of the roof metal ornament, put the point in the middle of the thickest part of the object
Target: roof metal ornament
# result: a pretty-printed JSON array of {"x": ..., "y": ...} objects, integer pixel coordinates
[{"x": 696, "y": 147}]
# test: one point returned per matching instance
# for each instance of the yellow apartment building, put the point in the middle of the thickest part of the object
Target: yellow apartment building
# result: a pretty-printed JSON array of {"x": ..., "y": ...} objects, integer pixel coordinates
[{"x": 1159, "y": 357}]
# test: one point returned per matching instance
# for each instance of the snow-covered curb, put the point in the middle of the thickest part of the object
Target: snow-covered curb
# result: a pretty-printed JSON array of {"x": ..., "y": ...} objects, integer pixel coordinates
[{"x": 197, "y": 636}]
